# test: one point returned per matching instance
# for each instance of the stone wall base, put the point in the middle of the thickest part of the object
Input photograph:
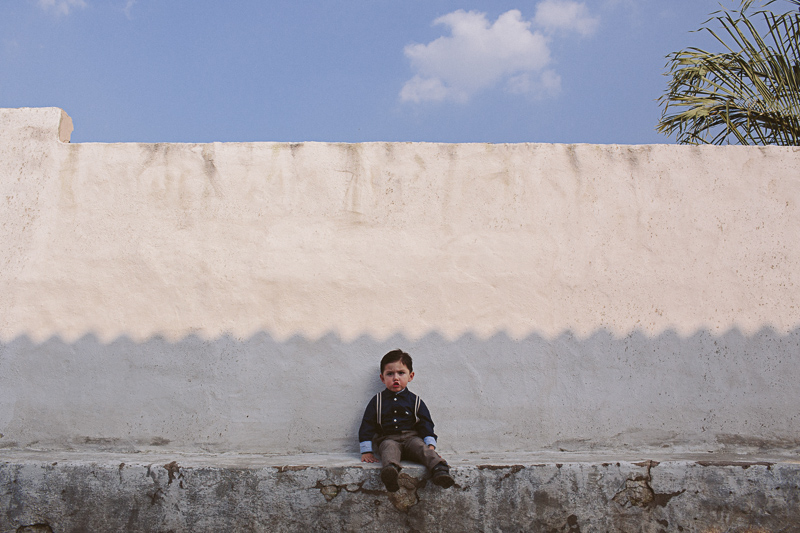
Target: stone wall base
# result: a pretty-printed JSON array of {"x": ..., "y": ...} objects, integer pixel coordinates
[{"x": 44, "y": 492}]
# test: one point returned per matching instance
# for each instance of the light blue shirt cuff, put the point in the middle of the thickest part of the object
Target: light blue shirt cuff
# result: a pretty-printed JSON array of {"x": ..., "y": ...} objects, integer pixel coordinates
[
  {"x": 430, "y": 440},
  {"x": 366, "y": 446}
]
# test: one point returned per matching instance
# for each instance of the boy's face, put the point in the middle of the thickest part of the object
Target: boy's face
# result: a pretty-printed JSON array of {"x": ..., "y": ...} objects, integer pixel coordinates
[{"x": 396, "y": 376}]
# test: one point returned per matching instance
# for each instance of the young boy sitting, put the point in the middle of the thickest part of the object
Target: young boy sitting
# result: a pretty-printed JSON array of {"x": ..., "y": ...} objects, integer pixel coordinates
[{"x": 398, "y": 423}]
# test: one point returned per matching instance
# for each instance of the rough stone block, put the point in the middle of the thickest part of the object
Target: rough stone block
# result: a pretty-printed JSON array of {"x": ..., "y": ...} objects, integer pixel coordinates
[{"x": 334, "y": 493}]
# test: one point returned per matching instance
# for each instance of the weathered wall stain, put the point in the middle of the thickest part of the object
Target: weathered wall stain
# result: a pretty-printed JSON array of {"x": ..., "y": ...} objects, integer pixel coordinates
[
  {"x": 211, "y": 169},
  {"x": 638, "y": 492},
  {"x": 35, "y": 528},
  {"x": 174, "y": 471}
]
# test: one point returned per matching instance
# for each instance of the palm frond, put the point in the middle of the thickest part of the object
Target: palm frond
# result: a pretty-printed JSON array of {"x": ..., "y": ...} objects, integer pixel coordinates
[{"x": 747, "y": 94}]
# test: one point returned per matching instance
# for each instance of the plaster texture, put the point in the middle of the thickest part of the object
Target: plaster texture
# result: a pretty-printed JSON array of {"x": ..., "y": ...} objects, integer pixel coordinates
[
  {"x": 236, "y": 297},
  {"x": 143, "y": 492}
]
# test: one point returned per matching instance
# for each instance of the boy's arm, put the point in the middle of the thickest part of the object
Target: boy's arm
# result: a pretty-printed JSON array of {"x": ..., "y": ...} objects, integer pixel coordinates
[
  {"x": 424, "y": 427},
  {"x": 368, "y": 457},
  {"x": 368, "y": 429}
]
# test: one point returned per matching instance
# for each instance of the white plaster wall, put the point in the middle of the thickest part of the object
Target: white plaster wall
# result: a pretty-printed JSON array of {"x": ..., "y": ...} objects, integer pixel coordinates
[{"x": 238, "y": 296}]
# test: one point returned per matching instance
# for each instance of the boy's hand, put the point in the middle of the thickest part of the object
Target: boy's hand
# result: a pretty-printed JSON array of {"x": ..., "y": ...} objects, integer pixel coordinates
[
  {"x": 431, "y": 446},
  {"x": 368, "y": 457}
]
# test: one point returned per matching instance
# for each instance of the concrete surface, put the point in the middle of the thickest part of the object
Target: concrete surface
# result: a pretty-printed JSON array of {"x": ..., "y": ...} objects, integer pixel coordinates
[{"x": 549, "y": 492}]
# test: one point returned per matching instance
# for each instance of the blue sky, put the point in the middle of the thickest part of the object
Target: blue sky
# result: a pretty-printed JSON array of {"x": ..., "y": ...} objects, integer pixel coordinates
[{"x": 347, "y": 70}]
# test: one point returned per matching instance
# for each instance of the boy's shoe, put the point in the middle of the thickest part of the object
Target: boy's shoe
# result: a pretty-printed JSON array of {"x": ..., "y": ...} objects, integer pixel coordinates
[
  {"x": 389, "y": 475},
  {"x": 441, "y": 476}
]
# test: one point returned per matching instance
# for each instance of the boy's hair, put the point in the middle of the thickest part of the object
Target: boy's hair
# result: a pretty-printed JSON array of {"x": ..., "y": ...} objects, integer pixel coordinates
[{"x": 395, "y": 356}]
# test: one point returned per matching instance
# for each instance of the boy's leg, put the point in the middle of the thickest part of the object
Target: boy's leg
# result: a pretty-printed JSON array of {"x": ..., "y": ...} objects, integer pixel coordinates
[
  {"x": 390, "y": 452},
  {"x": 418, "y": 451}
]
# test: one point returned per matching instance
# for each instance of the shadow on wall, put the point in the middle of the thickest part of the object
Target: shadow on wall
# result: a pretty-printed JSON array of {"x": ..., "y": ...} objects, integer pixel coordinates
[{"x": 495, "y": 394}]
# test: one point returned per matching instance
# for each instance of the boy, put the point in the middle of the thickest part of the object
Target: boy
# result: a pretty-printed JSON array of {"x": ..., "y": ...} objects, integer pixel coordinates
[{"x": 399, "y": 424}]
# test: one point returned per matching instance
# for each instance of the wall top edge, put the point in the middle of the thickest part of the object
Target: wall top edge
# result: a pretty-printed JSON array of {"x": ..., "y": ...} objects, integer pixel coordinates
[
  {"x": 23, "y": 120},
  {"x": 665, "y": 146}
]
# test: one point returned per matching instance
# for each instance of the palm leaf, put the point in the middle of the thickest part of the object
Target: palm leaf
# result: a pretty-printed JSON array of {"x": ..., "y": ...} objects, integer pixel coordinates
[{"x": 749, "y": 93}]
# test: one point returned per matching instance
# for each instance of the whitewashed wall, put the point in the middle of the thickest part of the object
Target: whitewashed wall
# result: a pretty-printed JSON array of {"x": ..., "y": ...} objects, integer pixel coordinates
[{"x": 238, "y": 296}]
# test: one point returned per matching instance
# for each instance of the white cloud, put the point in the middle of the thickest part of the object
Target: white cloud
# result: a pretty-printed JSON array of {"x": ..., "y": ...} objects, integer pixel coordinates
[
  {"x": 567, "y": 15},
  {"x": 61, "y": 7},
  {"x": 479, "y": 54},
  {"x": 127, "y": 8},
  {"x": 547, "y": 84},
  {"x": 418, "y": 89}
]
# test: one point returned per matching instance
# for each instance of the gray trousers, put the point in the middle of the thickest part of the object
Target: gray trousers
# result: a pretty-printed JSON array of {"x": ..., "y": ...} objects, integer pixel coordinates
[{"x": 406, "y": 445}]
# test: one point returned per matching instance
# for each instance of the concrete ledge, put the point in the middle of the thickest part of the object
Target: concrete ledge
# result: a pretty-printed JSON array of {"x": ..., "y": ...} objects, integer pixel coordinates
[{"x": 63, "y": 492}]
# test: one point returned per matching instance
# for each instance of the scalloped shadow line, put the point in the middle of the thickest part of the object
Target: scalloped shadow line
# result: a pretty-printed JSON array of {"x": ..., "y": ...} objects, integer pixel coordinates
[{"x": 432, "y": 337}]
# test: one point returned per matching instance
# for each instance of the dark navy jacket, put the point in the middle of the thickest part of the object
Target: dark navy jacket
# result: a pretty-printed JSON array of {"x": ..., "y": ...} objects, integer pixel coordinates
[{"x": 397, "y": 416}]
